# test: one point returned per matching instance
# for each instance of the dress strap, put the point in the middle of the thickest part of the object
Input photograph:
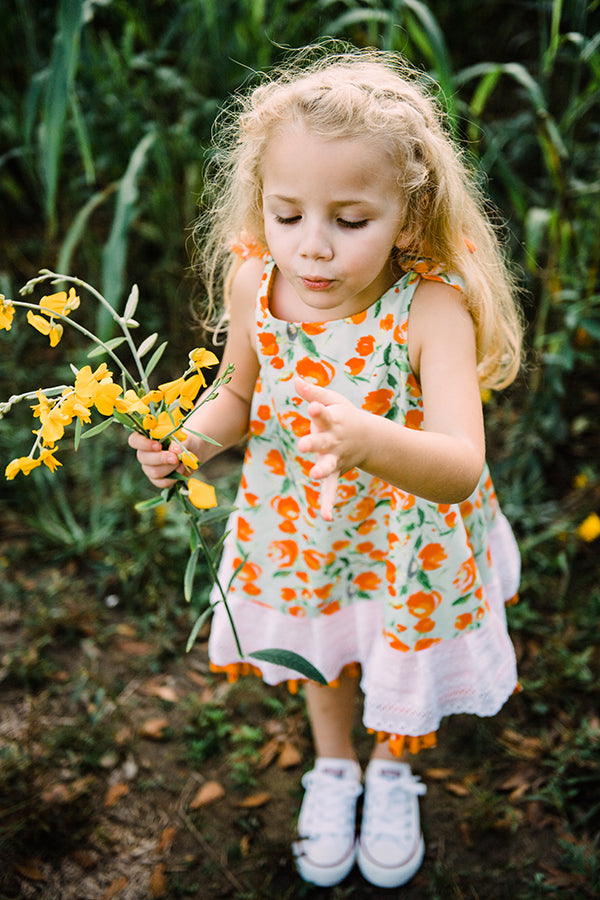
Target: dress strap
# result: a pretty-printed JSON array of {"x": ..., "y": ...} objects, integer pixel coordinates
[{"x": 429, "y": 269}]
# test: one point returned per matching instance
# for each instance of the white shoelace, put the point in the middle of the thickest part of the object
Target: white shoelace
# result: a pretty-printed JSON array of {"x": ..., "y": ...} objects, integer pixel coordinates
[
  {"x": 392, "y": 812},
  {"x": 329, "y": 804}
]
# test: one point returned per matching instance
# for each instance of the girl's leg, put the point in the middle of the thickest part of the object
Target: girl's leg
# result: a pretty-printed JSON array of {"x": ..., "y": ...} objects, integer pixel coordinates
[
  {"x": 331, "y": 713},
  {"x": 326, "y": 847}
]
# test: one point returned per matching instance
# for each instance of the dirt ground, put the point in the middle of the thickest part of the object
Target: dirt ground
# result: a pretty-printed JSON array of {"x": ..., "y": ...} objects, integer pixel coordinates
[{"x": 128, "y": 770}]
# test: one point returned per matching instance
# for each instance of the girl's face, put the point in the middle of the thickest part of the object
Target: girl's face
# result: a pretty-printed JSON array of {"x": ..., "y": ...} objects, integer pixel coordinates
[{"x": 332, "y": 214}]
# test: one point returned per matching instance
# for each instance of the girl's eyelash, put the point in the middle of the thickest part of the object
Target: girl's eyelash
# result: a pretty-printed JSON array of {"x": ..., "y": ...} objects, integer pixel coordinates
[
  {"x": 291, "y": 220},
  {"x": 346, "y": 224}
]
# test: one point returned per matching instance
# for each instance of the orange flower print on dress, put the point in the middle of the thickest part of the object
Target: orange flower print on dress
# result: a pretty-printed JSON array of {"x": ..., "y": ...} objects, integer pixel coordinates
[
  {"x": 355, "y": 365},
  {"x": 378, "y": 402},
  {"x": 414, "y": 419},
  {"x": 466, "y": 575},
  {"x": 274, "y": 461},
  {"x": 283, "y": 553},
  {"x": 320, "y": 372},
  {"x": 244, "y": 530},
  {"x": 268, "y": 342},
  {"x": 365, "y": 345},
  {"x": 367, "y": 581},
  {"x": 422, "y": 604},
  {"x": 463, "y": 621},
  {"x": 432, "y": 556},
  {"x": 384, "y": 545}
]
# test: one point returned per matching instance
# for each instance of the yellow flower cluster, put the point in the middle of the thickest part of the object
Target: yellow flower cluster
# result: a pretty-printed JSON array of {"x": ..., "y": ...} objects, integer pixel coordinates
[
  {"x": 52, "y": 305},
  {"x": 589, "y": 529},
  {"x": 160, "y": 414},
  {"x": 7, "y": 312}
]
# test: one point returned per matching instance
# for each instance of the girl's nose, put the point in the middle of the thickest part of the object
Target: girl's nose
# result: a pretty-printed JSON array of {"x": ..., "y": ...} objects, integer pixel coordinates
[{"x": 315, "y": 242}]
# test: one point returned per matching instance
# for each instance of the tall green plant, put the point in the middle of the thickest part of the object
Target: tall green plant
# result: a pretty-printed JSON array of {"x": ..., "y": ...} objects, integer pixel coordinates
[{"x": 544, "y": 153}]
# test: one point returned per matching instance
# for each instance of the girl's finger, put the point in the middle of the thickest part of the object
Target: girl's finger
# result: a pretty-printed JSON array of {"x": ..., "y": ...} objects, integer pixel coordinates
[{"x": 328, "y": 492}]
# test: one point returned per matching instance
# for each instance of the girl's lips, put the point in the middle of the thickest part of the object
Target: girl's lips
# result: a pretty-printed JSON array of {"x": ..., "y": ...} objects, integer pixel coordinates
[{"x": 316, "y": 284}]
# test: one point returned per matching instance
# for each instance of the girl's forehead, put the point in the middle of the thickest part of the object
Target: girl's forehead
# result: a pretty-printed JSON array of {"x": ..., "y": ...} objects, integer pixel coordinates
[
  {"x": 298, "y": 142},
  {"x": 299, "y": 163}
]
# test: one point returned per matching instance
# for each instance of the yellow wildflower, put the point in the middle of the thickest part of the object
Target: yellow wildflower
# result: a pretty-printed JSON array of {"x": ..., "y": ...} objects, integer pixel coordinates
[
  {"x": 72, "y": 405},
  {"x": 189, "y": 459},
  {"x": 171, "y": 390},
  {"x": 580, "y": 480},
  {"x": 7, "y": 312},
  {"x": 24, "y": 464},
  {"x": 52, "y": 329},
  {"x": 130, "y": 403},
  {"x": 152, "y": 397},
  {"x": 203, "y": 359},
  {"x": 158, "y": 427},
  {"x": 60, "y": 304},
  {"x": 201, "y": 495},
  {"x": 589, "y": 529},
  {"x": 97, "y": 388},
  {"x": 47, "y": 457},
  {"x": 190, "y": 390}
]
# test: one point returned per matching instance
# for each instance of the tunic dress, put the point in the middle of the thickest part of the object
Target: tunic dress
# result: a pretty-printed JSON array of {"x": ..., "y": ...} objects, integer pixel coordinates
[{"x": 410, "y": 590}]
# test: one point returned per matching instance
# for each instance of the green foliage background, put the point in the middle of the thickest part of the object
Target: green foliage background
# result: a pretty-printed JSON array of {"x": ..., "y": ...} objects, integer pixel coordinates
[{"x": 106, "y": 112}]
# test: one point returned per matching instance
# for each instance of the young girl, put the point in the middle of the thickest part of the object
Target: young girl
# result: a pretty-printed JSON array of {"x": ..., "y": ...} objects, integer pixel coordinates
[{"x": 368, "y": 303}]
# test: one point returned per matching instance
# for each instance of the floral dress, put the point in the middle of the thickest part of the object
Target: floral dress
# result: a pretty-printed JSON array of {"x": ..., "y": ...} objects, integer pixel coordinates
[{"x": 411, "y": 591}]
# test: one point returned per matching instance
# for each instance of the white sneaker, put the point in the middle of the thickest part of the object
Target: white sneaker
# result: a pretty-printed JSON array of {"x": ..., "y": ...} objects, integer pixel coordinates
[
  {"x": 326, "y": 848},
  {"x": 391, "y": 847}
]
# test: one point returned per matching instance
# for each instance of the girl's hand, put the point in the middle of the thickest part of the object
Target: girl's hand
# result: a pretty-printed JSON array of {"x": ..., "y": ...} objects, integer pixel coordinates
[
  {"x": 332, "y": 438},
  {"x": 156, "y": 463}
]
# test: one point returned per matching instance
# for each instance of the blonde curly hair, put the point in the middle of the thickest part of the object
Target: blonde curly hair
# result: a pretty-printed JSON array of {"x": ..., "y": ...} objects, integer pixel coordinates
[{"x": 368, "y": 94}]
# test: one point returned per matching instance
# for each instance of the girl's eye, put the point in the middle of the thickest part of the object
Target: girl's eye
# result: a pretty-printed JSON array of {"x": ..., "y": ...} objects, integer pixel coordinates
[
  {"x": 287, "y": 220},
  {"x": 346, "y": 224}
]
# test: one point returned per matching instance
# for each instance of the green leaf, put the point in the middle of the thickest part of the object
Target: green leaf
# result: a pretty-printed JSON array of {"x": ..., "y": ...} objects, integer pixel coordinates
[
  {"x": 147, "y": 344},
  {"x": 110, "y": 345},
  {"x": 57, "y": 91},
  {"x": 97, "y": 429},
  {"x": 151, "y": 503},
  {"x": 190, "y": 572},
  {"x": 197, "y": 626},
  {"x": 290, "y": 660},
  {"x": 78, "y": 427},
  {"x": 155, "y": 358},
  {"x": 114, "y": 254}
]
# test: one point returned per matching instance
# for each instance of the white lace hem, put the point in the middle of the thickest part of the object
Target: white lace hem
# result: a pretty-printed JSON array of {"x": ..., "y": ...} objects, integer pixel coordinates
[{"x": 405, "y": 693}]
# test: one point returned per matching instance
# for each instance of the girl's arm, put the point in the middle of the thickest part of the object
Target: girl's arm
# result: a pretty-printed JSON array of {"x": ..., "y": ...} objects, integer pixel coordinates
[
  {"x": 443, "y": 462},
  {"x": 224, "y": 419}
]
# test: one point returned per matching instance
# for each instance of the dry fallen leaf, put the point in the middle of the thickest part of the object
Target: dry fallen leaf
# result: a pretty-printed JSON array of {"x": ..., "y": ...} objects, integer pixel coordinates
[
  {"x": 154, "y": 729},
  {"x": 31, "y": 869},
  {"x": 209, "y": 792},
  {"x": 289, "y": 757},
  {"x": 254, "y": 800},
  {"x": 134, "y": 648},
  {"x": 162, "y": 691},
  {"x": 115, "y": 887},
  {"x": 158, "y": 881},
  {"x": 87, "y": 859},
  {"x": 458, "y": 789},
  {"x": 114, "y": 794},
  {"x": 268, "y": 752},
  {"x": 439, "y": 774},
  {"x": 166, "y": 839}
]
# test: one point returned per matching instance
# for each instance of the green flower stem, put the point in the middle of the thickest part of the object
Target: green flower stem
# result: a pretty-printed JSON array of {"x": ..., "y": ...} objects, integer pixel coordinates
[
  {"x": 32, "y": 395},
  {"x": 71, "y": 279},
  {"x": 213, "y": 571},
  {"x": 81, "y": 328}
]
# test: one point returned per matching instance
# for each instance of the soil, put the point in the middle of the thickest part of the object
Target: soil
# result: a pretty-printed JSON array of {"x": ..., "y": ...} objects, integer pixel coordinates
[{"x": 116, "y": 791}]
